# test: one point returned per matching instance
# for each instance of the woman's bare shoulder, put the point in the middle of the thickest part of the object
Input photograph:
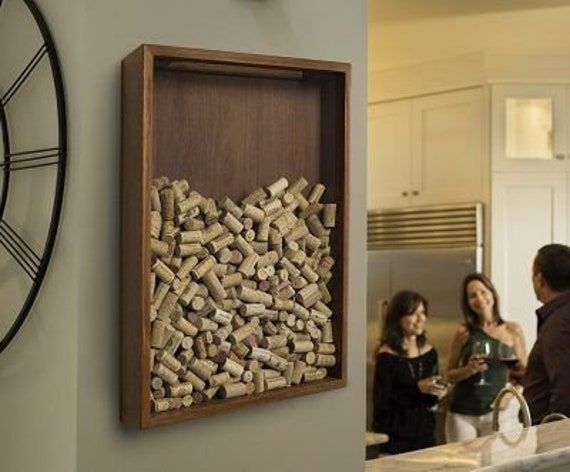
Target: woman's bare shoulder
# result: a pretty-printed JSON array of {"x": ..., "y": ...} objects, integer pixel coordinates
[
  {"x": 386, "y": 349},
  {"x": 514, "y": 328}
]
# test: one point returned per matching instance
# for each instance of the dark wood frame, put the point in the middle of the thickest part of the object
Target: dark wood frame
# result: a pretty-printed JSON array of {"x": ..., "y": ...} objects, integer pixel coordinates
[{"x": 276, "y": 85}]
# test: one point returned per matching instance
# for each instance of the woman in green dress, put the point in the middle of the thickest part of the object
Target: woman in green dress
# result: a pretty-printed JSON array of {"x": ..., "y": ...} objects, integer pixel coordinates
[{"x": 474, "y": 365}]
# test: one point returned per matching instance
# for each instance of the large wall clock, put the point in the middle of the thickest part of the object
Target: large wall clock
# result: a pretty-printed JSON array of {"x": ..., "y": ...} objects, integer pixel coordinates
[{"x": 33, "y": 138}]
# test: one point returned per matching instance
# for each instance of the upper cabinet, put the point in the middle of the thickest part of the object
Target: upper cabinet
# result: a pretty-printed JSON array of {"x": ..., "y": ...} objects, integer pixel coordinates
[
  {"x": 530, "y": 128},
  {"x": 428, "y": 150}
]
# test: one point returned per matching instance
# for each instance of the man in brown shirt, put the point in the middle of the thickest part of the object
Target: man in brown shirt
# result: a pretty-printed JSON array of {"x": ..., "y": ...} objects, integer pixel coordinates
[{"x": 547, "y": 380}]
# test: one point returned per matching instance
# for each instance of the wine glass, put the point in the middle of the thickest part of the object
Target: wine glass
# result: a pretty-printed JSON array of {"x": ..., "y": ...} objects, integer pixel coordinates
[
  {"x": 507, "y": 356},
  {"x": 483, "y": 349}
]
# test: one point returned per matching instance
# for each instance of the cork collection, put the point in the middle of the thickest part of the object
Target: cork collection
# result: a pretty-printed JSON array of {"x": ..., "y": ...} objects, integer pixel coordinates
[
  {"x": 234, "y": 216},
  {"x": 239, "y": 293}
]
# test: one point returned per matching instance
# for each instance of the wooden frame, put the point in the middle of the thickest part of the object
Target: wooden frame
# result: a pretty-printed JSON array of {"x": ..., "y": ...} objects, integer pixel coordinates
[{"x": 229, "y": 123}]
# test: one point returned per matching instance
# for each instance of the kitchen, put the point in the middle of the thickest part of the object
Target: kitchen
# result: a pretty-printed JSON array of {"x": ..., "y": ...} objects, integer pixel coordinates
[{"x": 449, "y": 89}]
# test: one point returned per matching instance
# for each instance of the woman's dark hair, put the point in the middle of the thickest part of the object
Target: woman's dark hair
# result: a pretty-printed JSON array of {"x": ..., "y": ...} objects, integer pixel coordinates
[
  {"x": 402, "y": 304},
  {"x": 553, "y": 262},
  {"x": 471, "y": 318}
]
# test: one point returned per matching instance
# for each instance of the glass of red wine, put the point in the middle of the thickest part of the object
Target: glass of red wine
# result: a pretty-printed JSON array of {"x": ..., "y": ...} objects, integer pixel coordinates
[
  {"x": 483, "y": 349},
  {"x": 507, "y": 356}
]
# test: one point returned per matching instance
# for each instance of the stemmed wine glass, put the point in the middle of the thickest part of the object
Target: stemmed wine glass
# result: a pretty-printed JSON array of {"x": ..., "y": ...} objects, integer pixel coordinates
[
  {"x": 483, "y": 349},
  {"x": 507, "y": 356}
]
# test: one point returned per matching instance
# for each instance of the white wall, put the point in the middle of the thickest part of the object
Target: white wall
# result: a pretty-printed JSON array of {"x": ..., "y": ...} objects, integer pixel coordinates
[
  {"x": 38, "y": 371},
  {"x": 403, "y": 33},
  {"x": 320, "y": 432}
]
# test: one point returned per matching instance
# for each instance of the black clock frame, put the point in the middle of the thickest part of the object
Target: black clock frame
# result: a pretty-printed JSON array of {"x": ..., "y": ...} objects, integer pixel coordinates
[{"x": 33, "y": 265}]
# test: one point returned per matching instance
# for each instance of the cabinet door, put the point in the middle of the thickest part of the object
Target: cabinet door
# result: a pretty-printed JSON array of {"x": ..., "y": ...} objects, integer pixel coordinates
[
  {"x": 389, "y": 150},
  {"x": 449, "y": 158},
  {"x": 528, "y": 211},
  {"x": 529, "y": 128}
]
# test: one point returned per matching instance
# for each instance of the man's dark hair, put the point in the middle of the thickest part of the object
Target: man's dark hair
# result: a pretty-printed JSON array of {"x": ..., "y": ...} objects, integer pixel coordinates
[{"x": 553, "y": 262}]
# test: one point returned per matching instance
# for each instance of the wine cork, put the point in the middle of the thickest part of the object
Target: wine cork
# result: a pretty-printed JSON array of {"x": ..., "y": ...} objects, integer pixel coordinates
[
  {"x": 256, "y": 214},
  {"x": 241, "y": 333},
  {"x": 247, "y": 377},
  {"x": 156, "y": 383},
  {"x": 200, "y": 368},
  {"x": 167, "y": 203},
  {"x": 297, "y": 233},
  {"x": 187, "y": 401},
  {"x": 260, "y": 248},
  {"x": 186, "y": 237},
  {"x": 219, "y": 379},
  {"x": 168, "y": 360},
  {"x": 232, "y": 390},
  {"x": 243, "y": 247},
  {"x": 233, "y": 368},
  {"x": 165, "y": 374},
  {"x": 272, "y": 384},
  {"x": 271, "y": 373},
  {"x": 189, "y": 294},
  {"x": 174, "y": 342},
  {"x": 155, "y": 204},
  {"x": 187, "y": 354},
  {"x": 289, "y": 267},
  {"x": 310, "y": 358},
  {"x": 220, "y": 242},
  {"x": 212, "y": 232},
  {"x": 301, "y": 346},
  {"x": 259, "y": 381},
  {"x": 209, "y": 393},
  {"x": 288, "y": 374},
  {"x": 197, "y": 383},
  {"x": 276, "y": 362},
  {"x": 214, "y": 286},
  {"x": 206, "y": 324},
  {"x": 159, "y": 393},
  {"x": 298, "y": 186},
  {"x": 162, "y": 272},
  {"x": 325, "y": 360},
  {"x": 163, "y": 404},
  {"x": 203, "y": 267},
  {"x": 160, "y": 294},
  {"x": 260, "y": 354},
  {"x": 328, "y": 332},
  {"x": 247, "y": 267},
  {"x": 167, "y": 306},
  {"x": 228, "y": 205},
  {"x": 271, "y": 206},
  {"x": 180, "y": 390},
  {"x": 232, "y": 223},
  {"x": 240, "y": 350},
  {"x": 298, "y": 370},
  {"x": 278, "y": 187},
  {"x": 272, "y": 342},
  {"x": 252, "y": 309},
  {"x": 254, "y": 197},
  {"x": 193, "y": 200},
  {"x": 194, "y": 224}
]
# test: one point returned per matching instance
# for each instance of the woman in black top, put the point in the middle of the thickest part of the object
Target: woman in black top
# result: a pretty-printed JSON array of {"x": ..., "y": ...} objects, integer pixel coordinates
[{"x": 405, "y": 387}]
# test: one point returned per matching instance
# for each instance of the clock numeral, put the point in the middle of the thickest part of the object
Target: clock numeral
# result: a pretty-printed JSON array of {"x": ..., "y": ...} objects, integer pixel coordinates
[
  {"x": 31, "y": 159},
  {"x": 38, "y": 56},
  {"x": 22, "y": 253}
]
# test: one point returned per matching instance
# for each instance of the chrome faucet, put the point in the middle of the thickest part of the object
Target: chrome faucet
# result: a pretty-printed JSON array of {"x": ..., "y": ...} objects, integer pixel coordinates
[
  {"x": 524, "y": 406},
  {"x": 553, "y": 417}
]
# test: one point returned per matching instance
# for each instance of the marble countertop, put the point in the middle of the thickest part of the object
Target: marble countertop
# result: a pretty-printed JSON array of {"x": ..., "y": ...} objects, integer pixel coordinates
[{"x": 521, "y": 450}]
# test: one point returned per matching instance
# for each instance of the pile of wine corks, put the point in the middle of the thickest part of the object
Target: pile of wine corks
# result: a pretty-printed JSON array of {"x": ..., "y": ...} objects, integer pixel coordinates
[{"x": 239, "y": 291}]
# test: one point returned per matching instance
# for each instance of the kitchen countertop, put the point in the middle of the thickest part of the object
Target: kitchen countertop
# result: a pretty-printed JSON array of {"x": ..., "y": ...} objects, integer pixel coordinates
[{"x": 523, "y": 450}]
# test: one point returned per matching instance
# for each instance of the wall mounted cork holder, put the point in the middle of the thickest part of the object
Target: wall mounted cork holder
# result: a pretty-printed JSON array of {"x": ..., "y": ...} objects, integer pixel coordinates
[{"x": 229, "y": 123}]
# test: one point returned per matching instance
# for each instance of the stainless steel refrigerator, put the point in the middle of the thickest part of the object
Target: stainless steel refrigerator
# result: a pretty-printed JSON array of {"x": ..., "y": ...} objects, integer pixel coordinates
[{"x": 427, "y": 249}]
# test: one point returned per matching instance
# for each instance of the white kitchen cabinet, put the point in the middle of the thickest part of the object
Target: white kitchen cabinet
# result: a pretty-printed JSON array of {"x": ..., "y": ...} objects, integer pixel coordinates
[
  {"x": 429, "y": 150},
  {"x": 530, "y": 128},
  {"x": 528, "y": 210},
  {"x": 389, "y": 148}
]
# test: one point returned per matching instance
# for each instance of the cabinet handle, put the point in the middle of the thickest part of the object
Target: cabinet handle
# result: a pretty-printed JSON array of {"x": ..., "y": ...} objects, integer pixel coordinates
[
  {"x": 415, "y": 193},
  {"x": 404, "y": 194},
  {"x": 560, "y": 157}
]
